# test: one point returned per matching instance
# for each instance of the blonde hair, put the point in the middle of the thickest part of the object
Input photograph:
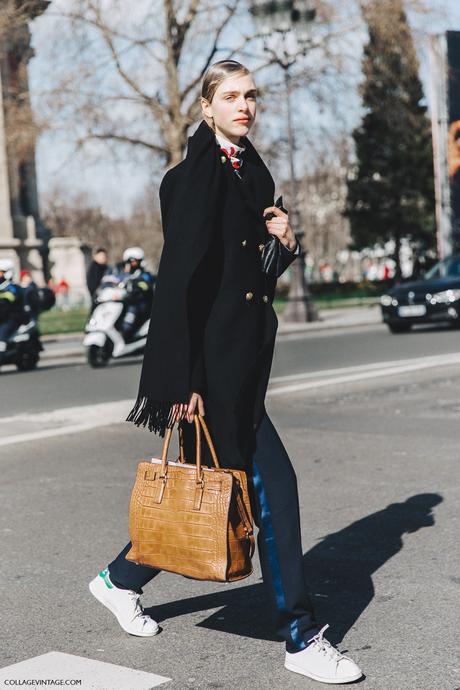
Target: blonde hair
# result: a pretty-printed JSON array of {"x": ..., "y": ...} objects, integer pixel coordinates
[{"x": 215, "y": 75}]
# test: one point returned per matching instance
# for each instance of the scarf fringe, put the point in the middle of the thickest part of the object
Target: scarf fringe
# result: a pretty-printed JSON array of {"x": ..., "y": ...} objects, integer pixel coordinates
[{"x": 157, "y": 415}]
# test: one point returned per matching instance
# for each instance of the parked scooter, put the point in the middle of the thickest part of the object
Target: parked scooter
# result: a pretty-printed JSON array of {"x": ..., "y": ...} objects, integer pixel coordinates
[{"x": 104, "y": 339}]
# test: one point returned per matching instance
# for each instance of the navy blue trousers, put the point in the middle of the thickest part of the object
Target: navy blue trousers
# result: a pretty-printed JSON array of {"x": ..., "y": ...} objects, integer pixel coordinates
[
  {"x": 7, "y": 328},
  {"x": 275, "y": 505}
]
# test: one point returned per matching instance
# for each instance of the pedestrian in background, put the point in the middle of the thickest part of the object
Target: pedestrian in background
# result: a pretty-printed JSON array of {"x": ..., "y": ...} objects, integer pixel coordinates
[
  {"x": 210, "y": 345},
  {"x": 31, "y": 295},
  {"x": 96, "y": 270}
]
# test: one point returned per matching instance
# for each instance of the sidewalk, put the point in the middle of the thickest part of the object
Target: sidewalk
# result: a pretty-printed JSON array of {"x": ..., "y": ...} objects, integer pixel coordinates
[
  {"x": 70, "y": 344},
  {"x": 346, "y": 317}
]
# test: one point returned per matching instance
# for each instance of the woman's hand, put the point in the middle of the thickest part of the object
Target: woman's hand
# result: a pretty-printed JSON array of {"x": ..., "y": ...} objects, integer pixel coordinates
[
  {"x": 279, "y": 226},
  {"x": 182, "y": 410}
]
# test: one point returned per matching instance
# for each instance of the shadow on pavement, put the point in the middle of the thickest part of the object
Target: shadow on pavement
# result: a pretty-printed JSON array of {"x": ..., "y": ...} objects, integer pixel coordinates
[
  {"x": 338, "y": 571},
  {"x": 242, "y": 611},
  {"x": 339, "y": 568}
]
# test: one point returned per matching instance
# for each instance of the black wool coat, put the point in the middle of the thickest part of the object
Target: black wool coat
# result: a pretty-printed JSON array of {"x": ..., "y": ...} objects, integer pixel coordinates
[{"x": 218, "y": 315}]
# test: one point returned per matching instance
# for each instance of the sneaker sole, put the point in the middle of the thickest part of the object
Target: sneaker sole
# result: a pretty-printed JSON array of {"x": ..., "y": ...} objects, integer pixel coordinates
[
  {"x": 99, "y": 596},
  {"x": 331, "y": 681}
]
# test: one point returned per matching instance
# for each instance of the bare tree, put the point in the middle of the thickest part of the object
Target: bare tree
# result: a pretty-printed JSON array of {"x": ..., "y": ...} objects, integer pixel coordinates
[
  {"x": 13, "y": 13},
  {"x": 125, "y": 81},
  {"x": 324, "y": 192},
  {"x": 79, "y": 217},
  {"x": 134, "y": 77}
]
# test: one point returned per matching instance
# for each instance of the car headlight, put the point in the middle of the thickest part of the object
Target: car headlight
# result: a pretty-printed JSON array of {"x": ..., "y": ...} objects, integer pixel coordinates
[
  {"x": 386, "y": 300},
  {"x": 445, "y": 297}
]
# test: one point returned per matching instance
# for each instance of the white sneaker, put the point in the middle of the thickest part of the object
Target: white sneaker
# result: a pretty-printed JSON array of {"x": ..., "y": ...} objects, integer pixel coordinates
[
  {"x": 321, "y": 661},
  {"x": 124, "y": 604}
]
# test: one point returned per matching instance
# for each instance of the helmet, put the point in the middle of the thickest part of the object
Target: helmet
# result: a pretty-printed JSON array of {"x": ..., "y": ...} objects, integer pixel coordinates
[
  {"x": 7, "y": 266},
  {"x": 133, "y": 253}
]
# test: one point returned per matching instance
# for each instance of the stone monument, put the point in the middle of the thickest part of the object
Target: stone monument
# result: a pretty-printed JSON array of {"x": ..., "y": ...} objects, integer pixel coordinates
[{"x": 22, "y": 234}]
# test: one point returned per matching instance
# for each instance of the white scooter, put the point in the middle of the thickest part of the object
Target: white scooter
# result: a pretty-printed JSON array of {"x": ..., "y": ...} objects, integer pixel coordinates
[{"x": 103, "y": 340}]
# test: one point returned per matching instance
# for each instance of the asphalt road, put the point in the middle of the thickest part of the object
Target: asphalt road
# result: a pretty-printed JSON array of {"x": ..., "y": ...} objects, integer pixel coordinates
[
  {"x": 371, "y": 422},
  {"x": 63, "y": 383}
]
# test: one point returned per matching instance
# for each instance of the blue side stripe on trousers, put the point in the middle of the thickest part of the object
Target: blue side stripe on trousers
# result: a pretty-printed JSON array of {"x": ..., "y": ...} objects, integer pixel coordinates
[{"x": 266, "y": 520}]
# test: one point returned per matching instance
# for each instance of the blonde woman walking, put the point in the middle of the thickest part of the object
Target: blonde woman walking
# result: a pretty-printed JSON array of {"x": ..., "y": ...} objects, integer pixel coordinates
[{"x": 210, "y": 351}]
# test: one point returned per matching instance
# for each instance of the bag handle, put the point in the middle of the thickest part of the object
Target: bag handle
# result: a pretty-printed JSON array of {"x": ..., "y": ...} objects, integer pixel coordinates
[
  {"x": 209, "y": 441},
  {"x": 181, "y": 457},
  {"x": 199, "y": 422}
]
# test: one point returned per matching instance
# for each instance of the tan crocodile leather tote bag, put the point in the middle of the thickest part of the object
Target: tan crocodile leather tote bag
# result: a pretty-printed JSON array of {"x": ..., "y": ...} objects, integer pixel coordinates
[{"x": 191, "y": 519}]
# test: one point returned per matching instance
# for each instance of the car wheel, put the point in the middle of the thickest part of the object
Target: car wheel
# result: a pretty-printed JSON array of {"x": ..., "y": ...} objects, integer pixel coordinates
[
  {"x": 399, "y": 327},
  {"x": 98, "y": 356}
]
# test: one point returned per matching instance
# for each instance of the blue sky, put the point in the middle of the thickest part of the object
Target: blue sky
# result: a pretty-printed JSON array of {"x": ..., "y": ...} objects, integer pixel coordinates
[{"x": 116, "y": 186}]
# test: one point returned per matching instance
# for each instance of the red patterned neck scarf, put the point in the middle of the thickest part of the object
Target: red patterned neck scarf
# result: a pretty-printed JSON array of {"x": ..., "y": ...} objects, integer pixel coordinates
[{"x": 232, "y": 151}]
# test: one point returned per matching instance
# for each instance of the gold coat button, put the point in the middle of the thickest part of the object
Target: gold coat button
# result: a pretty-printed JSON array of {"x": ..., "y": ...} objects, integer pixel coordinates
[
  {"x": 265, "y": 298},
  {"x": 249, "y": 296},
  {"x": 261, "y": 247},
  {"x": 223, "y": 159},
  {"x": 244, "y": 243}
]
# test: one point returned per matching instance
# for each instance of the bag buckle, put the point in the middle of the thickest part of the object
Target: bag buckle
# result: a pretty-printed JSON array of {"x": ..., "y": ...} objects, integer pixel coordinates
[
  {"x": 199, "y": 490},
  {"x": 161, "y": 489}
]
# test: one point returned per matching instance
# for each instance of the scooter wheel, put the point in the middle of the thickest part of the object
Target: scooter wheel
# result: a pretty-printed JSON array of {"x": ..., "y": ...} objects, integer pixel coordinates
[
  {"x": 27, "y": 361},
  {"x": 98, "y": 356}
]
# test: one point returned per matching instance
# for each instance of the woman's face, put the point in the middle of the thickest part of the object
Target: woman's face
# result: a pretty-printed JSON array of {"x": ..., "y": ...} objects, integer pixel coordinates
[{"x": 233, "y": 107}]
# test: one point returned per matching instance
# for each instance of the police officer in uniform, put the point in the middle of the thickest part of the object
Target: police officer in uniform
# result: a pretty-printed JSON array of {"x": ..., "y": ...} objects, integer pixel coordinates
[
  {"x": 11, "y": 303},
  {"x": 139, "y": 285}
]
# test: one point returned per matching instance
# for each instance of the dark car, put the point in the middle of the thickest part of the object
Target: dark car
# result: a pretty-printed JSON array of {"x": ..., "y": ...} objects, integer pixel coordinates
[{"x": 433, "y": 299}]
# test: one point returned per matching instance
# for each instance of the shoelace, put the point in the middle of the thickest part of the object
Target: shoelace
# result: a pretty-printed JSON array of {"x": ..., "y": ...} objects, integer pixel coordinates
[
  {"x": 325, "y": 647},
  {"x": 139, "y": 611}
]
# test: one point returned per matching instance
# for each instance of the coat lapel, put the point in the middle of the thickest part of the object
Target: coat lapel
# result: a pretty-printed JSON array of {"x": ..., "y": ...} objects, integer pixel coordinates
[{"x": 255, "y": 186}]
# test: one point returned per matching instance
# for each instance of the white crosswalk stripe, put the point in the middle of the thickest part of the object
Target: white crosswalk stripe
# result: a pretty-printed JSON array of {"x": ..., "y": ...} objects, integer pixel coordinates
[{"x": 80, "y": 672}]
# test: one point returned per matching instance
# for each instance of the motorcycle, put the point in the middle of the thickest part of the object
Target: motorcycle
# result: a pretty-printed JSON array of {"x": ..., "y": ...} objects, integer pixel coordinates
[
  {"x": 103, "y": 338},
  {"x": 23, "y": 347}
]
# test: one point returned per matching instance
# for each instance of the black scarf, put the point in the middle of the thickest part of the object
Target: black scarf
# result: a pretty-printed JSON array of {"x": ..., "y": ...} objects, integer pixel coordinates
[{"x": 190, "y": 215}]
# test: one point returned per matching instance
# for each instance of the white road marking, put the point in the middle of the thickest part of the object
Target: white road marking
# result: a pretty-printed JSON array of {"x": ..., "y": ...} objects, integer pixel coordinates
[
  {"x": 67, "y": 420},
  {"x": 429, "y": 360},
  {"x": 361, "y": 374},
  {"x": 97, "y": 675},
  {"x": 71, "y": 420}
]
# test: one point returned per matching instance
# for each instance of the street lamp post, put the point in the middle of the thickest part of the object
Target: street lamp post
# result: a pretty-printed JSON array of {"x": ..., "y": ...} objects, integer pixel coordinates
[{"x": 281, "y": 18}]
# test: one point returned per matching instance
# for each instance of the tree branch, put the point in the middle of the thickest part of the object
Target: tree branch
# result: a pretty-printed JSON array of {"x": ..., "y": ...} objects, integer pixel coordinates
[
  {"x": 184, "y": 26},
  {"x": 77, "y": 17},
  {"x": 125, "y": 139},
  {"x": 107, "y": 35},
  {"x": 192, "y": 85}
]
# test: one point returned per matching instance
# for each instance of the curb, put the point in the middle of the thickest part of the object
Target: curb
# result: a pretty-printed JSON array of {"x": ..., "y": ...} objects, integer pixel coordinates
[
  {"x": 61, "y": 337},
  {"x": 333, "y": 319},
  {"x": 61, "y": 354},
  {"x": 283, "y": 329}
]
